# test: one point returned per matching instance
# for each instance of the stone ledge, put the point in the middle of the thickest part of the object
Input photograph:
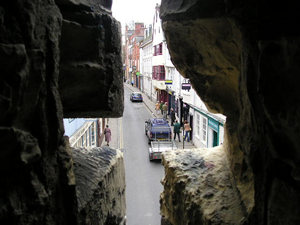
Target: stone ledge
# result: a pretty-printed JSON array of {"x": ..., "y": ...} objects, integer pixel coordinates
[
  {"x": 198, "y": 189},
  {"x": 100, "y": 185}
]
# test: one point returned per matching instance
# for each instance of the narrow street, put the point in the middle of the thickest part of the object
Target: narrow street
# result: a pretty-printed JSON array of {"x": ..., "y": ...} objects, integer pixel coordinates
[{"x": 143, "y": 177}]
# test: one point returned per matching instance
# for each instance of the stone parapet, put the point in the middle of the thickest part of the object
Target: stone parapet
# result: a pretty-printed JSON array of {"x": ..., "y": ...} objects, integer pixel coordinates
[
  {"x": 199, "y": 189},
  {"x": 100, "y": 185}
]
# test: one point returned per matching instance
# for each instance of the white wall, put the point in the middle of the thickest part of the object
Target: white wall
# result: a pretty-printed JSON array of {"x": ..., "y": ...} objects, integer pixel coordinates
[{"x": 146, "y": 54}]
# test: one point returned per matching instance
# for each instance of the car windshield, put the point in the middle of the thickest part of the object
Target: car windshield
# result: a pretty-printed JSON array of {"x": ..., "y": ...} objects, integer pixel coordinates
[{"x": 136, "y": 95}]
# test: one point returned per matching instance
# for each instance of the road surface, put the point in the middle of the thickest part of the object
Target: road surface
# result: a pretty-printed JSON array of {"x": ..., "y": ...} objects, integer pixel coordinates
[{"x": 143, "y": 177}]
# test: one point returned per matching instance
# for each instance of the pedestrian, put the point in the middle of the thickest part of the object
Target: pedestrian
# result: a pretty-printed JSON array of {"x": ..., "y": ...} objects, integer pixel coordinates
[
  {"x": 176, "y": 130},
  {"x": 161, "y": 107},
  {"x": 187, "y": 130},
  {"x": 173, "y": 117},
  {"x": 165, "y": 109},
  {"x": 132, "y": 83},
  {"x": 157, "y": 107},
  {"x": 107, "y": 133}
]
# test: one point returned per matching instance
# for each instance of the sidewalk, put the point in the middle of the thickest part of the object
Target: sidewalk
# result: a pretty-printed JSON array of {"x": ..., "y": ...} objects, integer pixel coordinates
[
  {"x": 115, "y": 125},
  {"x": 151, "y": 106}
]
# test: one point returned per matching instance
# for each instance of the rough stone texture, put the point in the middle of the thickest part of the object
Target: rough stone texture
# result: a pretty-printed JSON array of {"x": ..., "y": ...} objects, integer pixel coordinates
[
  {"x": 241, "y": 56},
  {"x": 100, "y": 186},
  {"x": 34, "y": 186},
  {"x": 91, "y": 55},
  {"x": 37, "y": 176},
  {"x": 243, "y": 60},
  {"x": 199, "y": 189}
]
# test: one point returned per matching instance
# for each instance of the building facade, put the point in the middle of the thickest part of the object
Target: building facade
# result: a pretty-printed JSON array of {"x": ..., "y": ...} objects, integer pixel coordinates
[
  {"x": 133, "y": 38},
  {"x": 146, "y": 53},
  {"x": 87, "y": 133},
  {"x": 159, "y": 79},
  {"x": 158, "y": 60}
]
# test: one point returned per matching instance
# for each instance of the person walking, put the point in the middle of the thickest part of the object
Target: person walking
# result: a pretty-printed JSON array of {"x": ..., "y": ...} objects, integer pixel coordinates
[
  {"x": 107, "y": 133},
  {"x": 176, "y": 130},
  {"x": 165, "y": 109},
  {"x": 157, "y": 107},
  {"x": 187, "y": 130},
  {"x": 161, "y": 107},
  {"x": 173, "y": 117}
]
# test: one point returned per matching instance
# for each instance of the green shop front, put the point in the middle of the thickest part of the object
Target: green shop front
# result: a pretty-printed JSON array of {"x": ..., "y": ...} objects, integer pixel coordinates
[{"x": 213, "y": 137}]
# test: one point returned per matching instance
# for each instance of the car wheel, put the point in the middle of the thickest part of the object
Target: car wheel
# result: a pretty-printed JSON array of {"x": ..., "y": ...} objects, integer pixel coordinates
[{"x": 150, "y": 159}]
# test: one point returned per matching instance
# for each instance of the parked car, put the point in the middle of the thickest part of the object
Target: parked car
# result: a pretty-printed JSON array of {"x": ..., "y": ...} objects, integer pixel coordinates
[
  {"x": 158, "y": 129},
  {"x": 136, "y": 97}
]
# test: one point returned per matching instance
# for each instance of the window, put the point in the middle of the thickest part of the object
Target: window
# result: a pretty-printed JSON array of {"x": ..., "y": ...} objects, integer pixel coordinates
[
  {"x": 161, "y": 73},
  {"x": 93, "y": 134},
  {"x": 157, "y": 49},
  {"x": 89, "y": 136},
  {"x": 82, "y": 140},
  {"x": 160, "y": 49},
  {"x": 158, "y": 72},
  {"x": 204, "y": 129},
  {"x": 198, "y": 125}
]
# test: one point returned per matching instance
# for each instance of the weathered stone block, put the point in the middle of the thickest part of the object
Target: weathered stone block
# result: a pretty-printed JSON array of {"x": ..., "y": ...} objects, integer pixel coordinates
[
  {"x": 100, "y": 186},
  {"x": 199, "y": 189},
  {"x": 90, "y": 68}
]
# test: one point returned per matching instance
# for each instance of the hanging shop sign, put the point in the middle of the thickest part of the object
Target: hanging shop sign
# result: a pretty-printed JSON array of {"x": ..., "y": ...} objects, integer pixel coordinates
[
  {"x": 168, "y": 82},
  {"x": 186, "y": 86}
]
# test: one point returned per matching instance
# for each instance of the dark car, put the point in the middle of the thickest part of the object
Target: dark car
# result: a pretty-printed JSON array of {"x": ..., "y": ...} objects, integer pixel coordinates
[
  {"x": 158, "y": 129},
  {"x": 136, "y": 97}
]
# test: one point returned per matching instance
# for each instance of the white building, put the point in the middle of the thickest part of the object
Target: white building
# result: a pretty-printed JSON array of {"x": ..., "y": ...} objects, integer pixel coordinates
[
  {"x": 146, "y": 54},
  {"x": 168, "y": 85},
  {"x": 84, "y": 132},
  {"x": 158, "y": 60}
]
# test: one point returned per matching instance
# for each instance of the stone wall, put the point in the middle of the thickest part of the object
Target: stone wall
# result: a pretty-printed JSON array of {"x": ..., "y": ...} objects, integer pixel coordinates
[
  {"x": 242, "y": 59},
  {"x": 100, "y": 186},
  {"x": 199, "y": 189},
  {"x": 38, "y": 185}
]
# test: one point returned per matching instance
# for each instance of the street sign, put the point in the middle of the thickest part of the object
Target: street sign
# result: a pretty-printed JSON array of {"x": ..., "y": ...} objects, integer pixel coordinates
[
  {"x": 169, "y": 82},
  {"x": 186, "y": 86}
]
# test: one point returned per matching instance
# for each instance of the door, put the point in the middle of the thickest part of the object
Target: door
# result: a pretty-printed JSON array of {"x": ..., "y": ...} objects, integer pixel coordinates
[{"x": 215, "y": 138}]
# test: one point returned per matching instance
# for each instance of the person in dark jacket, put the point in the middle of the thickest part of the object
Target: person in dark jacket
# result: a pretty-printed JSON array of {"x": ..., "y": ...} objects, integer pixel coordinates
[
  {"x": 172, "y": 115},
  {"x": 176, "y": 130}
]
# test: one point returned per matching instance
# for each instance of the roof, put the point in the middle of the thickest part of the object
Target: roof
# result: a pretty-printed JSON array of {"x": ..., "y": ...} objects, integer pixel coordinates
[{"x": 159, "y": 121}]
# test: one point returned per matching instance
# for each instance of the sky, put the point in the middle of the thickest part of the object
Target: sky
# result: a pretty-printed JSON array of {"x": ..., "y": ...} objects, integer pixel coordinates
[{"x": 126, "y": 11}]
